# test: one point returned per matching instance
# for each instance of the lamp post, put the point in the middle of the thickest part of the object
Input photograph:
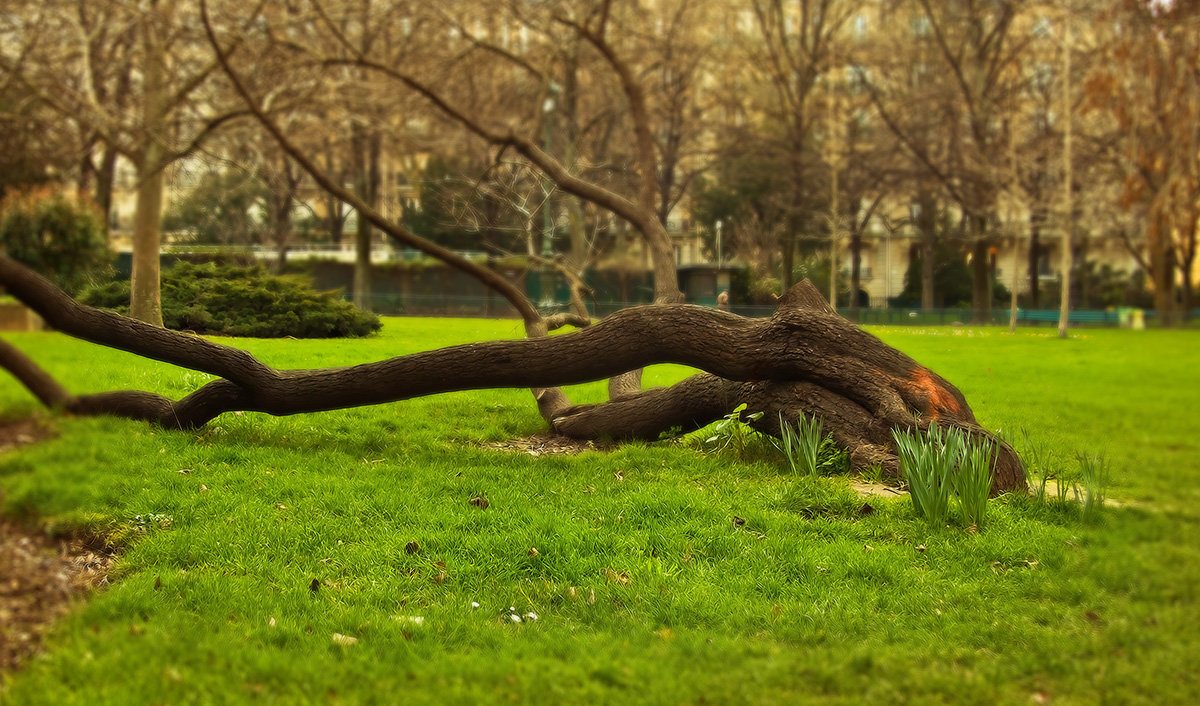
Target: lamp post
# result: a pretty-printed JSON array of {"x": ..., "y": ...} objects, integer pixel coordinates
[
  {"x": 548, "y": 144},
  {"x": 1068, "y": 224}
]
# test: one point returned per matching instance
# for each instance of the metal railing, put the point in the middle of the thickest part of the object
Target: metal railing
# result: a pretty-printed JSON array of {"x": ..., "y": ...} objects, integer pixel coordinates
[{"x": 497, "y": 306}]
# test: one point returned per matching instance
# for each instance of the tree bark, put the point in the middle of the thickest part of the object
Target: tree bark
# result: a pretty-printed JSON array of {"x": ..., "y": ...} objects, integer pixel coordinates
[
  {"x": 981, "y": 281},
  {"x": 145, "y": 303},
  {"x": 804, "y": 358}
]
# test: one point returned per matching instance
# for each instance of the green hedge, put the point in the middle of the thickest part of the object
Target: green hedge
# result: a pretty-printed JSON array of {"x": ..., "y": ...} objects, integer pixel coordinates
[{"x": 231, "y": 300}]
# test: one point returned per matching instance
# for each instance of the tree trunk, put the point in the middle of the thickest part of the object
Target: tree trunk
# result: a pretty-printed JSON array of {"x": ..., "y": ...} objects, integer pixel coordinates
[
  {"x": 1162, "y": 271},
  {"x": 804, "y": 359},
  {"x": 145, "y": 302},
  {"x": 926, "y": 224},
  {"x": 855, "y": 268},
  {"x": 981, "y": 280},
  {"x": 367, "y": 180},
  {"x": 106, "y": 175},
  {"x": 1035, "y": 235},
  {"x": 787, "y": 248},
  {"x": 662, "y": 260}
]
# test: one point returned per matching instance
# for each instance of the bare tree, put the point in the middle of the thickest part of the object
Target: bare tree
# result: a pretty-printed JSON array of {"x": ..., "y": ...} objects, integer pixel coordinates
[
  {"x": 796, "y": 46},
  {"x": 970, "y": 74},
  {"x": 1148, "y": 85},
  {"x": 137, "y": 79}
]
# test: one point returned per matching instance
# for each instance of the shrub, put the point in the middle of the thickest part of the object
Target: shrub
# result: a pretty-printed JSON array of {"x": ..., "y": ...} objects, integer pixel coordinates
[
  {"x": 57, "y": 236},
  {"x": 231, "y": 300}
]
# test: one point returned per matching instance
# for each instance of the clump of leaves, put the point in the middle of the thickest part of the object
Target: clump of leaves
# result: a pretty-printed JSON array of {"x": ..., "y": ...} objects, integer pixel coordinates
[{"x": 231, "y": 300}]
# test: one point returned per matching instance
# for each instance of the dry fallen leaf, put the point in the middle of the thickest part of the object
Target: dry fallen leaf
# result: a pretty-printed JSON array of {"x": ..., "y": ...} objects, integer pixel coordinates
[
  {"x": 532, "y": 551},
  {"x": 412, "y": 547},
  {"x": 344, "y": 640},
  {"x": 480, "y": 502}
]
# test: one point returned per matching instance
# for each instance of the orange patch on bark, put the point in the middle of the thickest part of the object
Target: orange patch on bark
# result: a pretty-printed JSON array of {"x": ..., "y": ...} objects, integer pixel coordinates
[{"x": 939, "y": 399}]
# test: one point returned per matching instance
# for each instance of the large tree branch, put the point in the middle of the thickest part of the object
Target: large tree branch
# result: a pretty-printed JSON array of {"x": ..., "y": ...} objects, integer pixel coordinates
[
  {"x": 797, "y": 343},
  {"x": 803, "y": 359}
]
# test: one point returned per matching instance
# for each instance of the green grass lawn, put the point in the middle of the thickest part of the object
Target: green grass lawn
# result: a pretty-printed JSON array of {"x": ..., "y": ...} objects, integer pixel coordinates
[{"x": 644, "y": 586}]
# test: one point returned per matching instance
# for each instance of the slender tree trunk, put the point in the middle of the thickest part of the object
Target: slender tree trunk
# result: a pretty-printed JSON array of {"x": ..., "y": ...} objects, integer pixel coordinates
[
  {"x": 926, "y": 225},
  {"x": 102, "y": 193},
  {"x": 981, "y": 281},
  {"x": 1068, "y": 224},
  {"x": 145, "y": 302},
  {"x": 1035, "y": 251},
  {"x": 1162, "y": 270},
  {"x": 367, "y": 178},
  {"x": 281, "y": 228},
  {"x": 855, "y": 268},
  {"x": 662, "y": 261}
]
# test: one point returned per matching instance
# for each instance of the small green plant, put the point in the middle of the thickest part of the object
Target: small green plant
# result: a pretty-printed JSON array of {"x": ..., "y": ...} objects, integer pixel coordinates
[
  {"x": 731, "y": 433},
  {"x": 802, "y": 443}
]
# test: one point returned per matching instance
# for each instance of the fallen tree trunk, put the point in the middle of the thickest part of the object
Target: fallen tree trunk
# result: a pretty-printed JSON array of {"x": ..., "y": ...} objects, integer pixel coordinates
[{"x": 804, "y": 359}]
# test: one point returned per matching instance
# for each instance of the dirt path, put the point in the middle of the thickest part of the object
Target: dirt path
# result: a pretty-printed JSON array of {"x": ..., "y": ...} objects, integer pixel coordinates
[{"x": 40, "y": 575}]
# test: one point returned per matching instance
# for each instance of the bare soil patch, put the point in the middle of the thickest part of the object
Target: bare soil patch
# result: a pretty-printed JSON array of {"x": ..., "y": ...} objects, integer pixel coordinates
[
  {"x": 40, "y": 575},
  {"x": 545, "y": 444}
]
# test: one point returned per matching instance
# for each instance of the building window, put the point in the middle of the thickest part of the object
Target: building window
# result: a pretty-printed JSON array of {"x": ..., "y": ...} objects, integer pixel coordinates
[
  {"x": 860, "y": 27},
  {"x": 921, "y": 26}
]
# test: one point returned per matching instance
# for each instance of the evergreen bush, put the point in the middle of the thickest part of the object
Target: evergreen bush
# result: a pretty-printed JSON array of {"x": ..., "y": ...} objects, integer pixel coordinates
[
  {"x": 232, "y": 300},
  {"x": 58, "y": 236}
]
